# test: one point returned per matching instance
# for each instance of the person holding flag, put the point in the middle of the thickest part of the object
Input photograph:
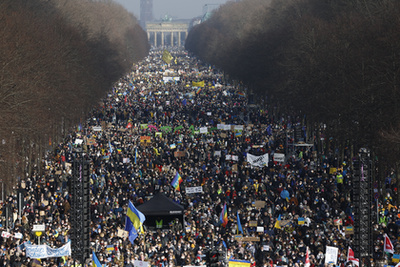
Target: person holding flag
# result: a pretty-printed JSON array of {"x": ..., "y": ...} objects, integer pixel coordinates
[
  {"x": 307, "y": 261},
  {"x": 136, "y": 155},
  {"x": 95, "y": 260},
  {"x": 177, "y": 181},
  {"x": 223, "y": 217},
  {"x": 387, "y": 245},
  {"x": 134, "y": 222},
  {"x": 351, "y": 258},
  {"x": 239, "y": 224},
  {"x": 277, "y": 223}
]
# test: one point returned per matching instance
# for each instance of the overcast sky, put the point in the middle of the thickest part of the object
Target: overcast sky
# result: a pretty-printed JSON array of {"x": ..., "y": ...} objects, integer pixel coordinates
[{"x": 177, "y": 9}]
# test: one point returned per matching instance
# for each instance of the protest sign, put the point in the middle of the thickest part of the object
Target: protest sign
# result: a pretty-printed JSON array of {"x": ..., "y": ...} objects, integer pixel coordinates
[
  {"x": 331, "y": 255},
  {"x": 238, "y": 263},
  {"x": 252, "y": 223},
  {"x": 139, "y": 263},
  {"x": 279, "y": 157},
  {"x": 257, "y": 161},
  {"x": 259, "y": 204},
  {"x": 44, "y": 251},
  {"x": 203, "y": 130},
  {"x": 194, "y": 189},
  {"x": 179, "y": 154},
  {"x": 145, "y": 140}
]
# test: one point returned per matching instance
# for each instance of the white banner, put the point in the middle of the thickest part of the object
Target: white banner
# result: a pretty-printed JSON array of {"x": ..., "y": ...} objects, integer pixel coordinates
[
  {"x": 232, "y": 157},
  {"x": 167, "y": 79},
  {"x": 257, "y": 161},
  {"x": 138, "y": 263},
  {"x": 279, "y": 157},
  {"x": 227, "y": 127},
  {"x": 239, "y": 127},
  {"x": 6, "y": 234},
  {"x": 194, "y": 189},
  {"x": 331, "y": 255},
  {"x": 203, "y": 130},
  {"x": 18, "y": 235},
  {"x": 44, "y": 251},
  {"x": 78, "y": 141}
]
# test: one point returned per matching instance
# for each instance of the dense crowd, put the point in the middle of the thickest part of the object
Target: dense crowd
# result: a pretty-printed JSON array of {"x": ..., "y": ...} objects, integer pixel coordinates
[{"x": 309, "y": 186}]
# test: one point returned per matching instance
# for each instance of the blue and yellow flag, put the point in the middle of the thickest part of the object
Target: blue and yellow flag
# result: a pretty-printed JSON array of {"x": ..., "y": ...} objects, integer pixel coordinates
[
  {"x": 277, "y": 223},
  {"x": 136, "y": 155},
  {"x": 134, "y": 221},
  {"x": 396, "y": 258},
  {"x": 95, "y": 260},
  {"x": 239, "y": 224}
]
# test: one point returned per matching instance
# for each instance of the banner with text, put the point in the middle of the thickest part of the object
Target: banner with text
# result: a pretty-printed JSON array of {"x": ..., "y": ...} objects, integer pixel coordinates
[
  {"x": 257, "y": 161},
  {"x": 44, "y": 251},
  {"x": 194, "y": 189}
]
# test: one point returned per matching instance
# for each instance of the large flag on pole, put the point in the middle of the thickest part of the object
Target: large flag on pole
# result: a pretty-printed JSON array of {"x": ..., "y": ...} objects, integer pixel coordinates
[
  {"x": 223, "y": 217},
  {"x": 277, "y": 223},
  {"x": 136, "y": 154},
  {"x": 387, "y": 245},
  {"x": 307, "y": 262},
  {"x": 350, "y": 257},
  {"x": 239, "y": 224},
  {"x": 95, "y": 260},
  {"x": 167, "y": 57},
  {"x": 177, "y": 181},
  {"x": 134, "y": 221}
]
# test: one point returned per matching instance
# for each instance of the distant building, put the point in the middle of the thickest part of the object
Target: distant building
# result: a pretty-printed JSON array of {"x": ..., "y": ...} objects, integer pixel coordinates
[
  {"x": 167, "y": 33},
  {"x": 146, "y": 12}
]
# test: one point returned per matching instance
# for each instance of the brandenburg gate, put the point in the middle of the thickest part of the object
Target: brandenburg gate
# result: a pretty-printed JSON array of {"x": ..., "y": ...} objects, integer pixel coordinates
[{"x": 167, "y": 33}]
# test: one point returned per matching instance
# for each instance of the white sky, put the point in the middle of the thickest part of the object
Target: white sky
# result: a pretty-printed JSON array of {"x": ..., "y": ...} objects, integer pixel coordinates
[{"x": 177, "y": 9}]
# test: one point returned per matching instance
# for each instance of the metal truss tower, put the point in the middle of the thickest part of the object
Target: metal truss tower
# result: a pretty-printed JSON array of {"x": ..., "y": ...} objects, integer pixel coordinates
[
  {"x": 80, "y": 210},
  {"x": 362, "y": 199}
]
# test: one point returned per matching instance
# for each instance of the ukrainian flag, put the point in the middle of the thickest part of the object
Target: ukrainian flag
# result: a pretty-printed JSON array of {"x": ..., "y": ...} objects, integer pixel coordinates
[
  {"x": 136, "y": 155},
  {"x": 134, "y": 221},
  {"x": 95, "y": 260},
  {"x": 396, "y": 258},
  {"x": 239, "y": 225},
  {"x": 277, "y": 223}
]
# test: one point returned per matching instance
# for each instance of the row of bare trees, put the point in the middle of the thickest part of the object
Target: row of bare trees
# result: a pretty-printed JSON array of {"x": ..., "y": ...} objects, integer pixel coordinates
[
  {"x": 337, "y": 62},
  {"x": 57, "y": 60}
]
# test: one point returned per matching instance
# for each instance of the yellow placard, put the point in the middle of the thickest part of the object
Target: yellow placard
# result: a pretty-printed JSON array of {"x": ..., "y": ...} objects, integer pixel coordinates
[
  {"x": 252, "y": 223},
  {"x": 238, "y": 263}
]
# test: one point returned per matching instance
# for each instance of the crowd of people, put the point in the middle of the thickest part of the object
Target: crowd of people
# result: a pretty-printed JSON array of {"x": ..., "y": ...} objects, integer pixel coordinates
[{"x": 131, "y": 140}]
